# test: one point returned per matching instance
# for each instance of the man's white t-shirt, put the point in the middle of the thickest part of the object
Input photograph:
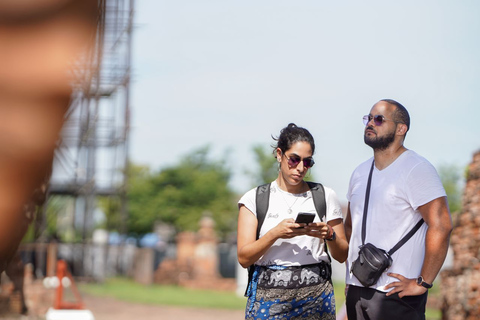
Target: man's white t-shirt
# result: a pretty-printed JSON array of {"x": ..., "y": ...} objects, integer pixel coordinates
[
  {"x": 396, "y": 192},
  {"x": 301, "y": 250}
]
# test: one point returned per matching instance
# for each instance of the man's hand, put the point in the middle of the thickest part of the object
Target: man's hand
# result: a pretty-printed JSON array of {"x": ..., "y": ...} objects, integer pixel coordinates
[{"x": 404, "y": 287}]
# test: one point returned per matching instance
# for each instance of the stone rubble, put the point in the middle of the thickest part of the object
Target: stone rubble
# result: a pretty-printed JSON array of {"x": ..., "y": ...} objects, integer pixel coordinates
[{"x": 460, "y": 286}]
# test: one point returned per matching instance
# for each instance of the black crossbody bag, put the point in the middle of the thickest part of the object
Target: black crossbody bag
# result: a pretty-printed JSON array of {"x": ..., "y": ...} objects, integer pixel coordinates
[{"x": 373, "y": 261}]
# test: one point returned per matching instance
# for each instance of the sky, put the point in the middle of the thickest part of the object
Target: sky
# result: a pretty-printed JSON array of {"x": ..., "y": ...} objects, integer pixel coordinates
[{"x": 230, "y": 74}]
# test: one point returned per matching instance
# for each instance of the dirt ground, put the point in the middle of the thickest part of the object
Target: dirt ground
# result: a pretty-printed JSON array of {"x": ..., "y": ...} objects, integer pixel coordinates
[
  {"x": 111, "y": 309},
  {"x": 40, "y": 299}
]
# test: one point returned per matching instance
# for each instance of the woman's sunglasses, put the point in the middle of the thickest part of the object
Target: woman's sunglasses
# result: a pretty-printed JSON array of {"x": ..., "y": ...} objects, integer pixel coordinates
[
  {"x": 294, "y": 160},
  {"x": 378, "y": 119}
]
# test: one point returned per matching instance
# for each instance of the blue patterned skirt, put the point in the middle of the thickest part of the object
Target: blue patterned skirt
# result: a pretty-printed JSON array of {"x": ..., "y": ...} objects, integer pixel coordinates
[{"x": 299, "y": 292}]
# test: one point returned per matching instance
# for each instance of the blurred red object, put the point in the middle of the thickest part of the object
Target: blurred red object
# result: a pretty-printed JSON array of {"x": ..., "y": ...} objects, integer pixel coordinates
[{"x": 62, "y": 274}]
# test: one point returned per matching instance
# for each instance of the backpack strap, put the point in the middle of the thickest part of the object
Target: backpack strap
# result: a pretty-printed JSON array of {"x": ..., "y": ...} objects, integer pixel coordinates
[
  {"x": 261, "y": 202},
  {"x": 318, "y": 195}
]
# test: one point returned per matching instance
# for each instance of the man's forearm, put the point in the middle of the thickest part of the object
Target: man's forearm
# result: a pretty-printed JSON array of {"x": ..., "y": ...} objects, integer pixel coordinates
[{"x": 436, "y": 248}]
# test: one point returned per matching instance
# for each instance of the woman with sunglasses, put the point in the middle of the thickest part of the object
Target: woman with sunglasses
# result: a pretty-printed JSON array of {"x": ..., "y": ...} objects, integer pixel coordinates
[{"x": 292, "y": 271}]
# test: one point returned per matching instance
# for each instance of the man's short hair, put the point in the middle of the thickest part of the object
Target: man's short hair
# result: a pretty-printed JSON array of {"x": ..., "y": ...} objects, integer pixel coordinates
[{"x": 400, "y": 114}]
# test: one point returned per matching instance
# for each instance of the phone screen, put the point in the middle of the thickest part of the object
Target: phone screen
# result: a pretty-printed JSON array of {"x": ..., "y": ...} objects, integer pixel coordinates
[{"x": 305, "y": 217}]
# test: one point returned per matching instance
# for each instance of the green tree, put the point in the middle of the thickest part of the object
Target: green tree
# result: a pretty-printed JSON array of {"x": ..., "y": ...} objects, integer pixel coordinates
[
  {"x": 139, "y": 198},
  {"x": 180, "y": 195},
  {"x": 267, "y": 169},
  {"x": 138, "y": 178},
  {"x": 451, "y": 179},
  {"x": 55, "y": 212},
  {"x": 111, "y": 207}
]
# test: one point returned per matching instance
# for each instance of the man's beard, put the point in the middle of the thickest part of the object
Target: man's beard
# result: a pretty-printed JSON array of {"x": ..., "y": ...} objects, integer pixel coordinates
[{"x": 380, "y": 143}]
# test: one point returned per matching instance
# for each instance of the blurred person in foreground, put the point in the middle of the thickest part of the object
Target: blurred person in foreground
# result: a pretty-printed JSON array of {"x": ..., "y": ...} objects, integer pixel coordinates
[
  {"x": 292, "y": 270},
  {"x": 405, "y": 188},
  {"x": 39, "y": 41}
]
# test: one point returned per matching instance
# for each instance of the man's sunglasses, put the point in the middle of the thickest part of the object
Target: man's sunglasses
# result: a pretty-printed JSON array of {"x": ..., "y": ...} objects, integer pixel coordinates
[
  {"x": 378, "y": 119},
  {"x": 294, "y": 160}
]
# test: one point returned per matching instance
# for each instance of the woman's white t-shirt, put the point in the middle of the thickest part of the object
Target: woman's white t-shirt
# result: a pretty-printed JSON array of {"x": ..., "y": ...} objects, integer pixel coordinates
[{"x": 301, "y": 250}]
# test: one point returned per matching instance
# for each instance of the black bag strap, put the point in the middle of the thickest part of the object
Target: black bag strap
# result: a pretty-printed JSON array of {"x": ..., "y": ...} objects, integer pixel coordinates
[
  {"x": 261, "y": 206},
  {"x": 261, "y": 203},
  {"x": 365, "y": 207},
  {"x": 364, "y": 224},
  {"x": 318, "y": 196},
  {"x": 406, "y": 237}
]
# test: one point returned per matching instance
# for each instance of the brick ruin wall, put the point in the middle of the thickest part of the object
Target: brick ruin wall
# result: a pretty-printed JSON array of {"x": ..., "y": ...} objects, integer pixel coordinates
[
  {"x": 196, "y": 263},
  {"x": 460, "y": 286}
]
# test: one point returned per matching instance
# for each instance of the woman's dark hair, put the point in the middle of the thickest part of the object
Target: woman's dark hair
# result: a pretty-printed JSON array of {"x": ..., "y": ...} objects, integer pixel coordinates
[{"x": 292, "y": 134}]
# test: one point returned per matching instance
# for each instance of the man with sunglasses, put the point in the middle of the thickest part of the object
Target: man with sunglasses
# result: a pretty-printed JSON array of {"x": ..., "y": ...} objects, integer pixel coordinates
[{"x": 404, "y": 188}]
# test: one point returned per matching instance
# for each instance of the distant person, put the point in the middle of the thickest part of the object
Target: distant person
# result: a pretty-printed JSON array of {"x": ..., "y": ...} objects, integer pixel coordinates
[
  {"x": 40, "y": 41},
  {"x": 292, "y": 271},
  {"x": 404, "y": 188}
]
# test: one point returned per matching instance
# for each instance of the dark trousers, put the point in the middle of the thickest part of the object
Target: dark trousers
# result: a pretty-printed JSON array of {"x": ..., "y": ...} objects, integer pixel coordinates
[{"x": 370, "y": 304}]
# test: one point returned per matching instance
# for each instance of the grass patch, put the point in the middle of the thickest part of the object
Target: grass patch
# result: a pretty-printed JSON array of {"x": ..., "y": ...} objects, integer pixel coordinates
[
  {"x": 128, "y": 290},
  {"x": 433, "y": 314},
  {"x": 434, "y": 294},
  {"x": 339, "y": 291}
]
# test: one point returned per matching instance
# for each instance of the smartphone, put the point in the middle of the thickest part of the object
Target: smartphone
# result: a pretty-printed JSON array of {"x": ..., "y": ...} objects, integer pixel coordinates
[{"x": 305, "y": 217}]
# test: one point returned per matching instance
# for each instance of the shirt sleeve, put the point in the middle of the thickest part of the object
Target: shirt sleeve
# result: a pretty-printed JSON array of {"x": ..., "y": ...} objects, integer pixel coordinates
[
  {"x": 334, "y": 209},
  {"x": 423, "y": 185},
  {"x": 248, "y": 200}
]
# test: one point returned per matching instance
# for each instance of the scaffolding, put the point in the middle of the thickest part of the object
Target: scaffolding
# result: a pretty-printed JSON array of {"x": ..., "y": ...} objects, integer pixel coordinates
[{"x": 92, "y": 155}]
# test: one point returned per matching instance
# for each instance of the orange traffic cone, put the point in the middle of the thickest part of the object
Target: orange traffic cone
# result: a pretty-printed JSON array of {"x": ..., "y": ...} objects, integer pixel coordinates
[{"x": 63, "y": 310}]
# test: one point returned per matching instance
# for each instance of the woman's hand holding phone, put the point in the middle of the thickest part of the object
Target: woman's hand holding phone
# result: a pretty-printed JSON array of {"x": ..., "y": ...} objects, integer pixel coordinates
[{"x": 305, "y": 218}]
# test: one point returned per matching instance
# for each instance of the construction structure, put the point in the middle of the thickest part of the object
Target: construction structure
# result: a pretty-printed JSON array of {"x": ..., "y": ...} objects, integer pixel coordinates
[{"x": 92, "y": 155}]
